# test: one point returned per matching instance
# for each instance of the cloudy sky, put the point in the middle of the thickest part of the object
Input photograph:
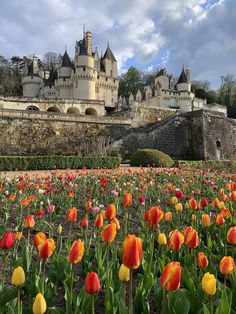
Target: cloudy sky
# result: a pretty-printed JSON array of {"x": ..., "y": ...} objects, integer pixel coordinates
[{"x": 148, "y": 34}]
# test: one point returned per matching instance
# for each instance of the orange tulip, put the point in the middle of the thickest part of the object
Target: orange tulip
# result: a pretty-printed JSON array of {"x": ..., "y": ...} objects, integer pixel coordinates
[
  {"x": 132, "y": 251},
  {"x": 202, "y": 260},
  {"x": 128, "y": 200},
  {"x": 191, "y": 237},
  {"x": 18, "y": 235},
  {"x": 224, "y": 197},
  {"x": 231, "y": 235},
  {"x": 176, "y": 239},
  {"x": 29, "y": 221},
  {"x": 168, "y": 216},
  {"x": 193, "y": 204},
  {"x": 155, "y": 216},
  {"x": 84, "y": 223},
  {"x": 109, "y": 233},
  {"x": 220, "y": 220},
  {"x": 227, "y": 265},
  {"x": 39, "y": 238},
  {"x": 98, "y": 223},
  {"x": 206, "y": 221},
  {"x": 110, "y": 212},
  {"x": 171, "y": 276},
  {"x": 117, "y": 223},
  {"x": 71, "y": 215},
  {"x": 216, "y": 202},
  {"x": 225, "y": 212},
  {"x": 46, "y": 248},
  {"x": 76, "y": 252},
  {"x": 233, "y": 196}
]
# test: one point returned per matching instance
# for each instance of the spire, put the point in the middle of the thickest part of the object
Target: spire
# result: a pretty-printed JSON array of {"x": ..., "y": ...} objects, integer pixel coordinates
[
  {"x": 109, "y": 54},
  {"x": 66, "y": 60},
  {"x": 183, "y": 77}
]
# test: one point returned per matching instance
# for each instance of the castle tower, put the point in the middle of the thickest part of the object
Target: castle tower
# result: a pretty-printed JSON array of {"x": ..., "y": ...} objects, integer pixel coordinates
[
  {"x": 85, "y": 73},
  {"x": 109, "y": 62},
  {"x": 184, "y": 96},
  {"x": 183, "y": 84},
  {"x": 63, "y": 82},
  {"x": 31, "y": 80}
]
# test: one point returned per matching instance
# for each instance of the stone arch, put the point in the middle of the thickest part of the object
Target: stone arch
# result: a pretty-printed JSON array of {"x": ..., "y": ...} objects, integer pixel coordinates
[
  {"x": 53, "y": 109},
  {"x": 32, "y": 108},
  {"x": 73, "y": 110},
  {"x": 91, "y": 112}
]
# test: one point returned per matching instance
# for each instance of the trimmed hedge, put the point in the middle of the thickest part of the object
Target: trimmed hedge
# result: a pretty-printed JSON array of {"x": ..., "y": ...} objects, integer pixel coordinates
[
  {"x": 219, "y": 165},
  {"x": 56, "y": 162},
  {"x": 150, "y": 157}
]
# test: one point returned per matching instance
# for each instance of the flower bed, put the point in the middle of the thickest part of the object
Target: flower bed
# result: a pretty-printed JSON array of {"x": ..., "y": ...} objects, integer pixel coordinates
[{"x": 119, "y": 241}]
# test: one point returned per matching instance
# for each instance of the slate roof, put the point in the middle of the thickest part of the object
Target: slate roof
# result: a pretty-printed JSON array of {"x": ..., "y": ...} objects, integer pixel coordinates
[
  {"x": 109, "y": 54},
  {"x": 83, "y": 48},
  {"x": 182, "y": 78},
  {"x": 52, "y": 77},
  {"x": 66, "y": 60}
]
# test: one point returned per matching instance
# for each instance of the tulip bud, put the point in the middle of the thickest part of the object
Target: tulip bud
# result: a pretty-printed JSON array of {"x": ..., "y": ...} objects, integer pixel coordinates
[
  {"x": 59, "y": 229},
  {"x": 128, "y": 200},
  {"x": 174, "y": 200},
  {"x": 132, "y": 251},
  {"x": 40, "y": 305},
  {"x": 168, "y": 216},
  {"x": 124, "y": 273},
  {"x": 71, "y": 215},
  {"x": 176, "y": 239},
  {"x": 109, "y": 233},
  {"x": 7, "y": 241},
  {"x": 227, "y": 265},
  {"x": 84, "y": 223},
  {"x": 219, "y": 220},
  {"x": 98, "y": 221},
  {"x": 179, "y": 207},
  {"x": 202, "y": 260},
  {"x": 161, "y": 239},
  {"x": 206, "y": 221},
  {"x": 92, "y": 283},
  {"x": 18, "y": 277},
  {"x": 231, "y": 235},
  {"x": 194, "y": 217},
  {"x": 209, "y": 284},
  {"x": 29, "y": 221},
  {"x": 76, "y": 252},
  {"x": 171, "y": 276},
  {"x": 221, "y": 205},
  {"x": 110, "y": 212}
]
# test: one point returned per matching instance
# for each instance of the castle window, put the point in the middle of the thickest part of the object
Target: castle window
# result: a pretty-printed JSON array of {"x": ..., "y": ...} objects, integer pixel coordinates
[
  {"x": 31, "y": 77},
  {"x": 114, "y": 80},
  {"x": 84, "y": 69},
  {"x": 98, "y": 77},
  {"x": 106, "y": 79},
  {"x": 96, "y": 89},
  {"x": 64, "y": 79},
  {"x": 50, "y": 86},
  {"x": 111, "y": 72}
]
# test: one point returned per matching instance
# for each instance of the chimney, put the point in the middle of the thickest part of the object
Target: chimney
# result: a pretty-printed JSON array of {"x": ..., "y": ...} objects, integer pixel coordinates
[
  {"x": 187, "y": 71},
  {"x": 88, "y": 40}
]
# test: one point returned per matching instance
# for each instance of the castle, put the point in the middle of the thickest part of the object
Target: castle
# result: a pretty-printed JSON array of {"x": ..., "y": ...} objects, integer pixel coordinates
[{"x": 88, "y": 77}]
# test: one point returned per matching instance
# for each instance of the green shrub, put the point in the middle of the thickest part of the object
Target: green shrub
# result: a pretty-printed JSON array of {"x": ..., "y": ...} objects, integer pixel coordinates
[
  {"x": 8, "y": 163},
  {"x": 212, "y": 165},
  {"x": 150, "y": 157}
]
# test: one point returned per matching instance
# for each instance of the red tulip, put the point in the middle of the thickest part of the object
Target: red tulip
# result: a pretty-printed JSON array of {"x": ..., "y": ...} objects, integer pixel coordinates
[
  {"x": 202, "y": 260},
  {"x": 176, "y": 239},
  {"x": 132, "y": 251},
  {"x": 76, "y": 252},
  {"x": 146, "y": 215},
  {"x": 155, "y": 216},
  {"x": 92, "y": 283},
  {"x": 110, "y": 212},
  {"x": 84, "y": 223},
  {"x": 46, "y": 248},
  {"x": 233, "y": 196},
  {"x": 71, "y": 215},
  {"x": 219, "y": 220},
  {"x": 227, "y": 265},
  {"x": 29, "y": 221},
  {"x": 109, "y": 233},
  {"x": 193, "y": 204},
  {"x": 171, "y": 276},
  {"x": 231, "y": 235},
  {"x": 191, "y": 237},
  {"x": 204, "y": 202},
  {"x": 7, "y": 241}
]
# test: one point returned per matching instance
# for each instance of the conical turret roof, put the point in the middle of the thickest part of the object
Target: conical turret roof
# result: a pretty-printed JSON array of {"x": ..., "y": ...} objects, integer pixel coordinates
[
  {"x": 183, "y": 77},
  {"x": 109, "y": 54},
  {"x": 66, "y": 60}
]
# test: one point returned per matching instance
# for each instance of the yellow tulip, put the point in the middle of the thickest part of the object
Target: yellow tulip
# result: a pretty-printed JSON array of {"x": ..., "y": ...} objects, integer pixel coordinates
[
  {"x": 161, "y": 239},
  {"x": 174, "y": 200},
  {"x": 124, "y": 273},
  {"x": 179, "y": 207},
  {"x": 187, "y": 205},
  {"x": 40, "y": 305},
  {"x": 194, "y": 217},
  {"x": 222, "y": 205},
  {"x": 18, "y": 276},
  {"x": 209, "y": 284}
]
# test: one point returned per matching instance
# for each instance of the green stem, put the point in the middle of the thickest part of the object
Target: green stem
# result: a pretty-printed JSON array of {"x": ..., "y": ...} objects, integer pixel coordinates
[
  {"x": 4, "y": 268},
  {"x": 130, "y": 292},
  {"x": 71, "y": 286},
  {"x": 211, "y": 304},
  {"x": 93, "y": 296},
  {"x": 28, "y": 236},
  {"x": 163, "y": 304},
  {"x": 18, "y": 302}
]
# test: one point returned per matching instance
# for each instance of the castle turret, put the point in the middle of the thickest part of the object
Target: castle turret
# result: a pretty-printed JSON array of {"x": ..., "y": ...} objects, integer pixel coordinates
[
  {"x": 109, "y": 62},
  {"x": 31, "y": 80},
  {"x": 85, "y": 73},
  {"x": 183, "y": 84},
  {"x": 66, "y": 66}
]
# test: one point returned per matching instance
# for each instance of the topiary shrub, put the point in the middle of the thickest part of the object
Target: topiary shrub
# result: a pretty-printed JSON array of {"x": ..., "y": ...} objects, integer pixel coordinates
[{"x": 151, "y": 157}]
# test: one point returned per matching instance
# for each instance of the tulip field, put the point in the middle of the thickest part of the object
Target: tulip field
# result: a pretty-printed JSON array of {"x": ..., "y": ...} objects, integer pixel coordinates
[{"x": 142, "y": 240}]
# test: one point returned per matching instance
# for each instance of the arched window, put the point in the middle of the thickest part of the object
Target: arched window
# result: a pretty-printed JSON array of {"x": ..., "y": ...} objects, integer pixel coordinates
[
  {"x": 73, "y": 110},
  {"x": 32, "y": 108},
  {"x": 91, "y": 112},
  {"x": 53, "y": 109}
]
